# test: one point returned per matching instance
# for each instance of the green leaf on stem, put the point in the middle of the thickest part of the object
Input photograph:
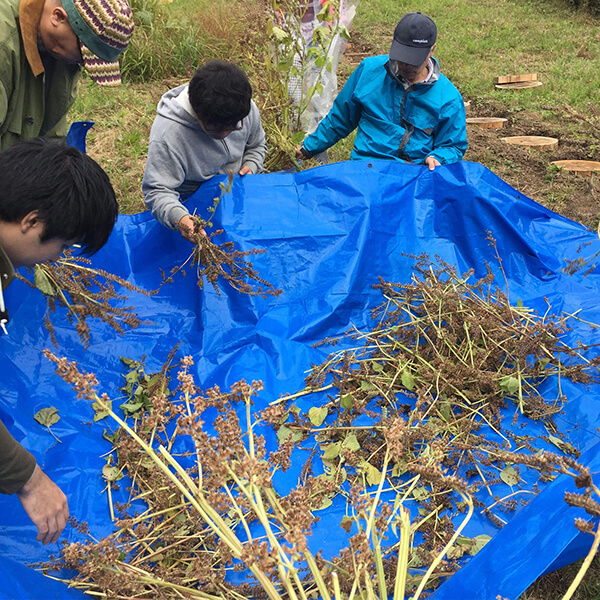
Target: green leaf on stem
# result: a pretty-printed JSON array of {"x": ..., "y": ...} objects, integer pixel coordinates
[{"x": 42, "y": 282}]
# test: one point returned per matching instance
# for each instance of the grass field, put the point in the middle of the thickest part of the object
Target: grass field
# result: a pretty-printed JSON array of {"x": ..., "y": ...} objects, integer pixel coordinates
[{"x": 477, "y": 41}]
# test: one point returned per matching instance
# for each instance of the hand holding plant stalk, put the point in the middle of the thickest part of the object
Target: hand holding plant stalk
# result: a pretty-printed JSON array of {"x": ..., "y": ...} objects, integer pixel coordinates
[{"x": 213, "y": 260}]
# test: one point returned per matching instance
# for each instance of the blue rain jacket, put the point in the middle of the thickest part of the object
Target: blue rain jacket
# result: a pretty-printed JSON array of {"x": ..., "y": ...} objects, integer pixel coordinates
[{"x": 395, "y": 120}]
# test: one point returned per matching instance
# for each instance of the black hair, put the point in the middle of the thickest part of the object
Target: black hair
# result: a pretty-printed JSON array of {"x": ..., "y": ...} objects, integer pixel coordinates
[
  {"x": 70, "y": 191},
  {"x": 220, "y": 94}
]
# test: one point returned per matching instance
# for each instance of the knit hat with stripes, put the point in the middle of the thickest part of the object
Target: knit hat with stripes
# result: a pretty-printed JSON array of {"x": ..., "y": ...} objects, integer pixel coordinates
[{"x": 104, "y": 28}]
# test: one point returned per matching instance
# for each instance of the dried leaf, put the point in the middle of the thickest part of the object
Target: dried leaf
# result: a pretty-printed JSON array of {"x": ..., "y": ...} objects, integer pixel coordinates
[
  {"x": 456, "y": 552},
  {"x": 42, "y": 282},
  {"x": 351, "y": 442},
  {"x": 420, "y": 493},
  {"x": 557, "y": 442},
  {"x": 317, "y": 415},
  {"x": 509, "y": 476},
  {"x": 100, "y": 412},
  {"x": 326, "y": 503},
  {"x": 372, "y": 474},
  {"x": 346, "y": 523},
  {"x": 346, "y": 400},
  {"x": 408, "y": 381},
  {"x": 284, "y": 432},
  {"x": 332, "y": 451},
  {"x": 478, "y": 542},
  {"x": 47, "y": 416},
  {"x": 509, "y": 384},
  {"x": 110, "y": 472}
]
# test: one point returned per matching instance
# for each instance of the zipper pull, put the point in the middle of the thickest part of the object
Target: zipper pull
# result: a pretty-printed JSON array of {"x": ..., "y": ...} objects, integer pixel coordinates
[{"x": 4, "y": 320}]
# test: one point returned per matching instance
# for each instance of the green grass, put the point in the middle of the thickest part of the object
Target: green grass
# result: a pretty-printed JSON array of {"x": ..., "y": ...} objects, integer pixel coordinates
[{"x": 478, "y": 41}]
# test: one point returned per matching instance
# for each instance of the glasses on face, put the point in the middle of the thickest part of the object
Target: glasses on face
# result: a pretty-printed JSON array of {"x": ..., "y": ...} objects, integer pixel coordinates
[{"x": 212, "y": 129}]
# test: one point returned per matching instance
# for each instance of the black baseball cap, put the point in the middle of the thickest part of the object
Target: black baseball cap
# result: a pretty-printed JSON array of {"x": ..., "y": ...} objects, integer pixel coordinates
[{"x": 414, "y": 36}]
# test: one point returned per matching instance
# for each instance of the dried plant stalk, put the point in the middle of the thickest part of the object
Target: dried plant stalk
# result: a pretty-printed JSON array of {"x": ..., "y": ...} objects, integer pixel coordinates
[
  {"x": 213, "y": 261},
  {"x": 215, "y": 509},
  {"x": 416, "y": 414},
  {"x": 86, "y": 293}
]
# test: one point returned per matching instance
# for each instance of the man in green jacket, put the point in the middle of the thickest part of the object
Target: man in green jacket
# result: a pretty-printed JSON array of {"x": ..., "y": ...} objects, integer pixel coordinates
[
  {"x": 52, "y": 196},
  {"x": 43, "y": 44}
]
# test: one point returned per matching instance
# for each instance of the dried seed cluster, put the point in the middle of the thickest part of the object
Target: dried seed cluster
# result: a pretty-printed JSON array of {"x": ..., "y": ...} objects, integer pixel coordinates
[
  {"x": 213, "y": 260},
  {"x": 417, "y": 410},
  {"x": 86, "y": 293}
]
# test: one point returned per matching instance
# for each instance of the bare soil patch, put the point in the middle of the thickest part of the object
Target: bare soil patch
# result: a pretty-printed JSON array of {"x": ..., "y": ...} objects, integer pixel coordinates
[{"x": 530, "y": 171}]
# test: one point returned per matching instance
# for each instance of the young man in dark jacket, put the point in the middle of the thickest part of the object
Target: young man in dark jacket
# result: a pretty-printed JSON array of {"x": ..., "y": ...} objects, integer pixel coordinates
[
  {"x": 52, "y": 196},
  {"x": 402, "y": 106}
]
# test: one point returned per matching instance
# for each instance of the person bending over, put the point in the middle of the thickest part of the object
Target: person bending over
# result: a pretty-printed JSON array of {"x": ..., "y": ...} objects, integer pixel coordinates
[
  {"x": 203, "y": 128},
  {"x": 43, "y": 44},
  {"x": 52, "y": 196}
]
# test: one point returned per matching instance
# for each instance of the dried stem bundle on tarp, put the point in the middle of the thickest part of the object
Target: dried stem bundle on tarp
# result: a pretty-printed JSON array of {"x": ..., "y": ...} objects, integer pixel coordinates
[
  {"x": 407, "y": 430},
  {"x": 441, "y": 369},
  {"x": 86, "y": 293},
  {"x": 214, "y": 261},
  {"x": 214, "y": 508}
]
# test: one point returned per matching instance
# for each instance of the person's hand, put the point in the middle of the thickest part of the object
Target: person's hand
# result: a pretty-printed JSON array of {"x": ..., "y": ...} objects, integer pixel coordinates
[
  {"x": 46, "y": 505},
  {"x": 432, "y": 162},
  {"x": 299, "y": 153},
  {"x": 185, "y": 225},
  {"x": 245, "y": 170}
]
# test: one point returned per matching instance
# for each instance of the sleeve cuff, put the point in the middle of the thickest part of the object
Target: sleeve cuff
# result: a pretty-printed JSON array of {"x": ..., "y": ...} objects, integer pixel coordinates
[
  {"x": 305, "y": 153},
  {"x": 253, "y": 166},
  {"x": 175, "y": 215}
]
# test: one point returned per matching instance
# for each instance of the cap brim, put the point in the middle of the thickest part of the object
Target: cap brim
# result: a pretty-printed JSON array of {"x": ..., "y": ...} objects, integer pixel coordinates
[
  {"x": 408, "y": 54},
  {"x": 100, "y": 71}
]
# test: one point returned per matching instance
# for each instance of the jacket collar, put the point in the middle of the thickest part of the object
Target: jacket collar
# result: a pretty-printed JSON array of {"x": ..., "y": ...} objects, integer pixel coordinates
[
  {"x": 435, "y": 75},
  {"x": 7, "y": 271},
  {"x": 30, "y": 13}
]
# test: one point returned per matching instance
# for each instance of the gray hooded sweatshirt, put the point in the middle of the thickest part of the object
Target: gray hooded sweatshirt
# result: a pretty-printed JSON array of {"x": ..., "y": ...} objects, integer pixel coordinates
[{"x": 181, "y": 156}]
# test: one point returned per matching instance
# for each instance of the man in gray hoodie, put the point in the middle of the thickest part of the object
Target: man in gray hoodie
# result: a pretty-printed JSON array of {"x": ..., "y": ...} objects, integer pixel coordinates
[{"x": 204, "y": 128}]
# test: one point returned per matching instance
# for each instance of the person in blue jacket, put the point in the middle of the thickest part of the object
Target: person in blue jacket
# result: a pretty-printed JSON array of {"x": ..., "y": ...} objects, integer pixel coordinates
[{"x": 402, "y": 106}]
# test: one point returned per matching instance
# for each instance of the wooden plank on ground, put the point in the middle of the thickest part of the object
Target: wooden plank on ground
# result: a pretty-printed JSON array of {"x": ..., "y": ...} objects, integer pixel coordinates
[
  {"x": 581, "y": 167},
  {"x": 487, "y": 122},
  {"x": 516, "y": 78},
  {"x": 521, "y": 85}
]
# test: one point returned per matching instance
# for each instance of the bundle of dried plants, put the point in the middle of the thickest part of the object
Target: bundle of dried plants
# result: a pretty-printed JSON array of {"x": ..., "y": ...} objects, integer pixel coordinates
[
  {"x": 215, "y": 509},
  {"x": 86, "y": 293},
  {"x": 213, "y": 260},
  {"x": 410, "y": 435}
]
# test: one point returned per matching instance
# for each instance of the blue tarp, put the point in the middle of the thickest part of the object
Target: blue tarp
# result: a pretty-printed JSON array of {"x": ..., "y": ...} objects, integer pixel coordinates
[{"x": 329, "y": 233}]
